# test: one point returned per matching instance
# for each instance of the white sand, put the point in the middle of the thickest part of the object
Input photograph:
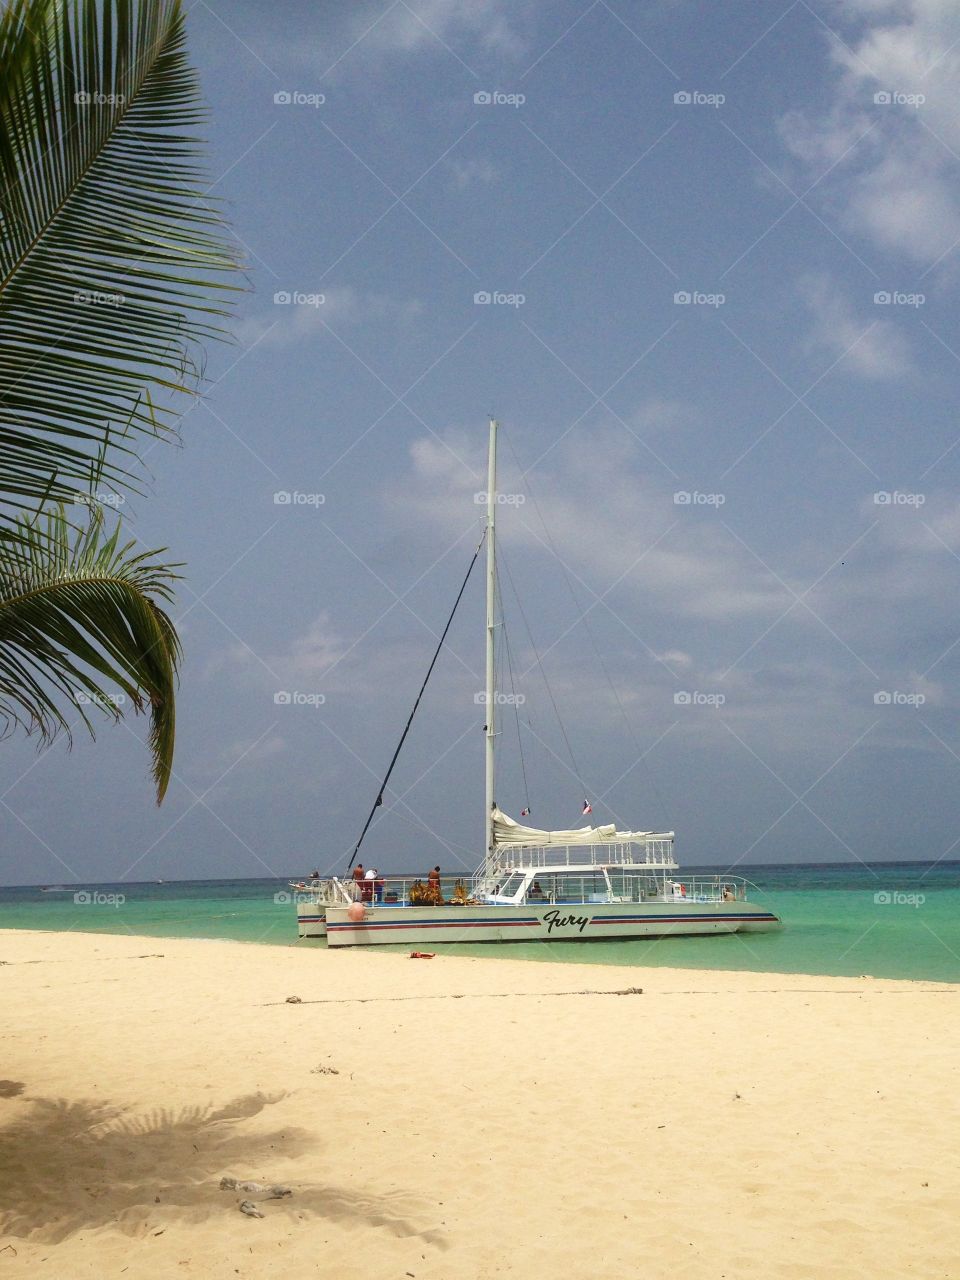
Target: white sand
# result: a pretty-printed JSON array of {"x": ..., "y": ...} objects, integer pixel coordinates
[{"x": 719, "y": 1125}]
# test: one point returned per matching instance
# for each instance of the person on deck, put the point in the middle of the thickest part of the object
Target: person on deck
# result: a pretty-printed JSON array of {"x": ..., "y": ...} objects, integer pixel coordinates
[
  {"x": 378, "y": 884},
  {"x": 433, "y": 885},
  {"x": 358, "y": 874},
  {"x": 366, "y": 888}
]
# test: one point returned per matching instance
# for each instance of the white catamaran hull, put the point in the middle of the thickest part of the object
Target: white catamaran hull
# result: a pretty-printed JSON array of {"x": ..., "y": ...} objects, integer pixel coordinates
[{"x": 573, "y": 922}]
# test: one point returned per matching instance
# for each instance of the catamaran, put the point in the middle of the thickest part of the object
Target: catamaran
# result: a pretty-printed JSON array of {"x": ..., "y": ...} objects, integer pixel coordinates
[{"x": 532, "y": 884}]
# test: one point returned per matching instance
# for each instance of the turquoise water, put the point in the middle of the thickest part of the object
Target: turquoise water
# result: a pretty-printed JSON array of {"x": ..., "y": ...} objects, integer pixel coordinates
[{"x": 889, "y": 919}]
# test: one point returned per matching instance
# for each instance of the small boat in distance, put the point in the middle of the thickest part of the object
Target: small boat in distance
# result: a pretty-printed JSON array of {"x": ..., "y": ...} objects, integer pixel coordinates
[{"x": 533, "y": 884}]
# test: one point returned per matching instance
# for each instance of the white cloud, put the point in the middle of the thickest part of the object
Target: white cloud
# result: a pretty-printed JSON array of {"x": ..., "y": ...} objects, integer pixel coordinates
[
  {"x": 431, "y": 24},
  {"x": 897, "y": 185},
  {"x": 870, "y": 346},
  {"x": 469, "y": 173},
  {"x": 605, "y": 521},
  {"x": 308, "y": 310}
]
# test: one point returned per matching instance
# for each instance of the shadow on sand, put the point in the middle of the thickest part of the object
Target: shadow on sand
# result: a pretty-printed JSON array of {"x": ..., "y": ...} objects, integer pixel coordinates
[{"x": 75, "y": 1166}]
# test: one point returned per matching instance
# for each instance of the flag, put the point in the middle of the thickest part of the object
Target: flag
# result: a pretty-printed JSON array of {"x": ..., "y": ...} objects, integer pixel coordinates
[
  {"x": 524, "y": 813},
  {"x": 587, "y": 807}
]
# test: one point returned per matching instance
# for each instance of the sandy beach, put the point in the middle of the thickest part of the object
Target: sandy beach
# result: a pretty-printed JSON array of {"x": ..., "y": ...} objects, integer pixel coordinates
[{"x": 460, "y": 1117}]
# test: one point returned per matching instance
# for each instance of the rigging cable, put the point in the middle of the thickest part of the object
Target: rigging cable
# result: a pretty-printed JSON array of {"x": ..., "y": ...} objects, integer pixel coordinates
[
  {"x": 536, "y": 652},
  {"x": 583, "y": 618},
  {"x": 379, "y": 800},
  {"x": 516, "y": 703}
]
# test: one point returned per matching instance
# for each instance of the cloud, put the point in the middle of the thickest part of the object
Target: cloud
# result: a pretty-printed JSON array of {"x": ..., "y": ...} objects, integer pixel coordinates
[
  {"x": 430, "y": 24},
  {"x": 610, "y": 524},
  {"x": 469, "y": 173},
  {"x": 871, "y": 347},
  {"x": 896, "y": 182},
  {"x": 301, "y": 313}
]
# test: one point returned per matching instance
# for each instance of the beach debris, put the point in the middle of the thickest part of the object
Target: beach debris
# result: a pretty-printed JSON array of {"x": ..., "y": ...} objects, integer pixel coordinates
[
  {"x": 324, "y": 1071},
  {"x": 422, "y": 955},
  {"x": 250, "y": 1209},
  {"x": 228, "y": 1184},
  {"x": 274, "y": 1192},
  {"x": 279, "y": 1191},
  {"x": 293, "y": 1000},
  {"x": 626, "y": 991}
]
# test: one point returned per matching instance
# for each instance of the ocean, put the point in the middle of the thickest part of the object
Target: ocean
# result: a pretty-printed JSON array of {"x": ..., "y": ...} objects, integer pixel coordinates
[{"x": 886, "y": 919}]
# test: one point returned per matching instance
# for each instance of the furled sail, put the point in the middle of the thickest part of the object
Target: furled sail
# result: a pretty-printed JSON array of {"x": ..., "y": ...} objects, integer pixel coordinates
[{"x": 508, "y": 832}]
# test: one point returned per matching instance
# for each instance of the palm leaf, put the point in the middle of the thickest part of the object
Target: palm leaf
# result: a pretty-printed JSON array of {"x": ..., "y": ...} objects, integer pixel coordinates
[
  {"x": 113, "y": 265},
  {"x": 80, "y": 620}
]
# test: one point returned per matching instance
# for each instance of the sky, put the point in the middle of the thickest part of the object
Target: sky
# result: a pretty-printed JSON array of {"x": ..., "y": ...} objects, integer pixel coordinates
[{"x": 701, "y": 261}]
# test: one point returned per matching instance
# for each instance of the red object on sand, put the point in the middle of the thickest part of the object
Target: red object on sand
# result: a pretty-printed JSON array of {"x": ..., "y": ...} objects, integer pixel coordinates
[{"x": 422, "y": 955}]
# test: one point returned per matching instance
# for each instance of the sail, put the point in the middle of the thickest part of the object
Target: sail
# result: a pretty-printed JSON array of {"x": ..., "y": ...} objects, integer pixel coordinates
[{"x": 506, "y": 832}]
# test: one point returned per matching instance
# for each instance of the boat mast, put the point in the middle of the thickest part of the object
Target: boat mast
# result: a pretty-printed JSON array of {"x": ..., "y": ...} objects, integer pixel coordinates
[{"x": 491, "y": 624}]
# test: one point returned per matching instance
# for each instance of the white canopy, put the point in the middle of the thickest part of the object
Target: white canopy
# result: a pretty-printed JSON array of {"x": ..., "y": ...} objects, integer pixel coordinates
[{"x": 508, "y": 832}]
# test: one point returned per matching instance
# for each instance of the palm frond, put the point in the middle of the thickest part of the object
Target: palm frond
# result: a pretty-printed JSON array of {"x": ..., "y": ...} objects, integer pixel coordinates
[
  {"x": 113, "y": 263},
  {"x": 82, "y": 629}
]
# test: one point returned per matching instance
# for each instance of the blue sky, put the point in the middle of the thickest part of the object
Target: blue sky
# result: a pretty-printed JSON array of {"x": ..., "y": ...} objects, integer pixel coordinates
[{"x": 778, "y": 655}]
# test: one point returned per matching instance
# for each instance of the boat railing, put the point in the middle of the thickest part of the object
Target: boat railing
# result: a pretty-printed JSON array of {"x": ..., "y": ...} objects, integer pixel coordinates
[
  {"x": 612, "y": 885},
  {"x": 604, "y": 884},
  {"x": 655, "y": 851}
]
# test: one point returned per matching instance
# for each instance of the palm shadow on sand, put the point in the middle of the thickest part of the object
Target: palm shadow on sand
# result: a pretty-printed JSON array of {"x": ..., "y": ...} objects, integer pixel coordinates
[{"x": 75, "y": 1166}]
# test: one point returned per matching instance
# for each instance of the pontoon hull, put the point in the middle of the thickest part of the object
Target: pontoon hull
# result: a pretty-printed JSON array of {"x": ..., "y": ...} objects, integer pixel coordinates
[{"x": 570, "y": 922}]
